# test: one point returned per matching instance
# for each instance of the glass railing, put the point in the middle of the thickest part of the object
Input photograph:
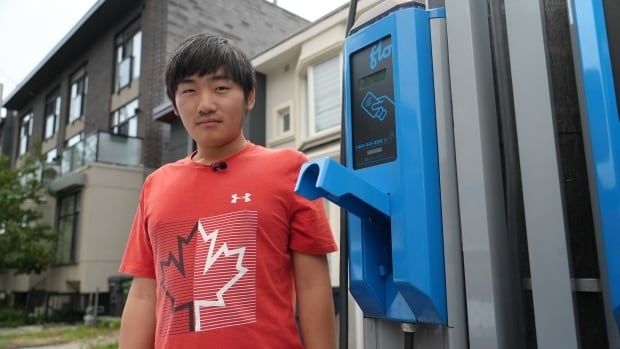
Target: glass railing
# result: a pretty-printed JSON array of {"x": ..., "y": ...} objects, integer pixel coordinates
[{"x": 102, "y": 147}]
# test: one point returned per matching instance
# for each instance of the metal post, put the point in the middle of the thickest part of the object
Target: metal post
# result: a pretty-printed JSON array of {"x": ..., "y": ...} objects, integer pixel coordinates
[
  {"x": 455, "y": 336},
  {"x": 554, "y": 309},
  {"x": 96, "y": 305},
  {"x": 487, "y": 258}
]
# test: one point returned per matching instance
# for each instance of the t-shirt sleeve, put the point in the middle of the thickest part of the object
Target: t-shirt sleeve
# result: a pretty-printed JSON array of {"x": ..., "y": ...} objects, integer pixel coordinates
[
  {"x": 310, "y": 231},
  {"x": 138, "y": 257}
]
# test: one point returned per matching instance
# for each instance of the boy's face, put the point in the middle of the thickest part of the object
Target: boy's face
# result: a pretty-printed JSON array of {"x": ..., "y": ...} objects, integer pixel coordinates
[{"x": 212, "y": 108}]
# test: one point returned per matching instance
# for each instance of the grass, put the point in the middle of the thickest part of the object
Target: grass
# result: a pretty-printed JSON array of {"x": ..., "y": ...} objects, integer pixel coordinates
[
  {"x": 106, "y": 346},
  {"x": 58, "y": 334}
]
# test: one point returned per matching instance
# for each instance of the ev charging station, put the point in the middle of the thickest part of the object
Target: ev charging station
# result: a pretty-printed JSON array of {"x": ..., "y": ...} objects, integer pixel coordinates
[
  {"x": 427, "y": 239},
  {"x": 390, "y": 186}
]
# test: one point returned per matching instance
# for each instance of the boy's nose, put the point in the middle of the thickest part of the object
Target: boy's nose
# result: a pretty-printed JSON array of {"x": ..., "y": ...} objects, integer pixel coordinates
[{"x": 207, "y": 103}]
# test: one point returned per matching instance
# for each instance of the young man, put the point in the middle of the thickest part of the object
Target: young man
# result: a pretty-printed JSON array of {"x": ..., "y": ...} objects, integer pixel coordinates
[{"x": 222, "y": 250}]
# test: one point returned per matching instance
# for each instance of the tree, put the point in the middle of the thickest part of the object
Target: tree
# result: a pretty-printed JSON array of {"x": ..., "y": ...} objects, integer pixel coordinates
[{"x": 26, "y": 244}]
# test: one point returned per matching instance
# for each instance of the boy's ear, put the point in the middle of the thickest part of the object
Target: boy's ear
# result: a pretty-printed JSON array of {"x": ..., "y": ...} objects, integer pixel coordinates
[
  {"x": 174, "y": 109},
  {"x": 251, "y": 100}
]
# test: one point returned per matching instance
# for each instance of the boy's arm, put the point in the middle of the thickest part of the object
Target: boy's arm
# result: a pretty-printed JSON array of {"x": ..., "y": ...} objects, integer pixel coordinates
[
  {"x": 314, "y": 299},
  {"x": 138, "y": 322}
]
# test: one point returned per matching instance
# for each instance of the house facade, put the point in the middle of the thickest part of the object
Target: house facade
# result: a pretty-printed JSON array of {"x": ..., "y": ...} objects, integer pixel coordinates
[
  {"x": 89, "y": 105},
  {"x": 302, "y": 108}
]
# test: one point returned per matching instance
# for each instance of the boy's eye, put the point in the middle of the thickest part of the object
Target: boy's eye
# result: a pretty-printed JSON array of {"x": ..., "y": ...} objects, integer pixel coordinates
[
  {"x": 222, "y": 88},
  {"x": 187, "y": 90}
]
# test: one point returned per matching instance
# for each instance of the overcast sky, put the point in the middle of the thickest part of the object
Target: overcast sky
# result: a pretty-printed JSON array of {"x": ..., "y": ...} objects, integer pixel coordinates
[{"x": 30, "y": 29}]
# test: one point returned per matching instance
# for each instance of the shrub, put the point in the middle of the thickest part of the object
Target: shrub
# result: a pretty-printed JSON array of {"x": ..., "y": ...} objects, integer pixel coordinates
[{"x": 11, "y": 317}]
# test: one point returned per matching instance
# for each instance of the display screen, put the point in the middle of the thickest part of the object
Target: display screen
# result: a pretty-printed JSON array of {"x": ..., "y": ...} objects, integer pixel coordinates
[
  {"x": 372, "y": 78},
  {"x": 372, "y": 105}
]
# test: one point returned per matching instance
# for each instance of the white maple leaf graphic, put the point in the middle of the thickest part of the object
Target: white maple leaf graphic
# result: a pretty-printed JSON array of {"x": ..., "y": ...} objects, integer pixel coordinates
[{"x": 212, "y": 257}]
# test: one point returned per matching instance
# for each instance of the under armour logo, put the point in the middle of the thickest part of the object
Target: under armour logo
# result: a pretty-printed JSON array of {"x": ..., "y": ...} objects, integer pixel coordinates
[{"x": 245, "y": 198}]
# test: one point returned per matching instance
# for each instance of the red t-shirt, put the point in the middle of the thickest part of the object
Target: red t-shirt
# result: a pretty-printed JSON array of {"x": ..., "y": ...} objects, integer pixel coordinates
[{"x": 219, "y": 245}]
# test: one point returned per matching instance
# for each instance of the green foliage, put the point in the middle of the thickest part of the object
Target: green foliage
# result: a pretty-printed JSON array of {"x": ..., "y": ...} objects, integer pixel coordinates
[
  {"x": 109, "y": 322},
  {"x": 11, "y": 317},
  {"x": 26, "y": 244}
]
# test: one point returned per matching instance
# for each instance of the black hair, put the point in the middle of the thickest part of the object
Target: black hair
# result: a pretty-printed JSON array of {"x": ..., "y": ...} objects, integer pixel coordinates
[{"x": 205, "y": 54}]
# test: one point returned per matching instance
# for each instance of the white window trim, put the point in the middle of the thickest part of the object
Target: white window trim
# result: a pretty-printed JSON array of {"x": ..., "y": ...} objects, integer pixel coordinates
[
  {"x": 311, "y": 120},
  {"x": 305, "y": 139},
  {"x": 277, "y": 136}
]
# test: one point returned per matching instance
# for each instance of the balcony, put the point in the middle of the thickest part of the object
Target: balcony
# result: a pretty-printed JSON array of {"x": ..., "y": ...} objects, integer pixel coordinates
[
  {"x": 98, "y": 147},
  {"x": 102, "y": 147}
]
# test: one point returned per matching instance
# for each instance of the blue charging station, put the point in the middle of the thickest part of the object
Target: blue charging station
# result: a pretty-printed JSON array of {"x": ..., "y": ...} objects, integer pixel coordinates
[
  {"x": 592, "y": 24},
  {"x": 390, "y": 185}
]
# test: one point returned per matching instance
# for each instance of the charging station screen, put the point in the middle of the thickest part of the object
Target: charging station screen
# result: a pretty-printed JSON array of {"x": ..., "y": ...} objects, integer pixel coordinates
[
  {"x": 372, "y": 105},
  {"x": 612, "y": 17}
]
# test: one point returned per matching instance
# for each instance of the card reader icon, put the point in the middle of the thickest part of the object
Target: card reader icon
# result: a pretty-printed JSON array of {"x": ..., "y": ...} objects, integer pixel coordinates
[{"x": 376, "y": 107}]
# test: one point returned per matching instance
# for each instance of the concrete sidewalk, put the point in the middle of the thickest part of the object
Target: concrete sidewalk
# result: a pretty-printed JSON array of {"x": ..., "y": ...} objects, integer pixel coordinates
[
  {"x": 21, "y": 329},
  {"x": 78, "y": 345}
]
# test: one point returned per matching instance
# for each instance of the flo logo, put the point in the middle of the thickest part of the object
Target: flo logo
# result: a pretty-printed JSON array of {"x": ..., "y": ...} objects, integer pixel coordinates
[{"x": 379, "y": 53}]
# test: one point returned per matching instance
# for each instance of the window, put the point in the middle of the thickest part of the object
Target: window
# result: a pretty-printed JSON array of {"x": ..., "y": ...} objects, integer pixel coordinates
[
  {"x": 51, "y": 167},
  {"x": 324, "y": 86},
  {"x": 128, "y": 45},
  {"x": 51, "y": 156},
  {"x": 25, "y": 131},
  {"x": 74, "y": 140},
  {"x": 73, "y": 155},
  {"x": 79, "y": 82},
  {"x": 284, "y": 120},
  {"x": 125, "y": 119},
  {"x": 68, "y": 227},
  {"x": 52, "y": 111}
]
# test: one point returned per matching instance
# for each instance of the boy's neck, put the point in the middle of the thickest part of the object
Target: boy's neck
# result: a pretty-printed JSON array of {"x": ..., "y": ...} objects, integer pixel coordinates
[{"x": 210, "y": 155}]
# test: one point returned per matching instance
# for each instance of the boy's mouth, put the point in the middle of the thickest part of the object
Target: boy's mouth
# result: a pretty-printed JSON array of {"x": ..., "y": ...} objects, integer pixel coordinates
[{"x": 208, "y": 122}]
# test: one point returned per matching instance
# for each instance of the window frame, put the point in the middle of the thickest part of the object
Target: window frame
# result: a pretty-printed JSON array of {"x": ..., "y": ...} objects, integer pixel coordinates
[
  {"x": 281, "y": 121},
  {"x": 278, "y": 135},
  {"x": 71, "y": 141},
  {"x": 54, "y": 159},
  {"x": 52, "y": 98},
  {"x": 79, "y": 77},
  {"x": 116, "y": 127},
  {"x": 311, "y": 130},
  {"x": 75, "y": 216},
  {"x": 51, "y": 165},
  {"x": 30, "y": 116},
  {"x": 125, "y": 48}
]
